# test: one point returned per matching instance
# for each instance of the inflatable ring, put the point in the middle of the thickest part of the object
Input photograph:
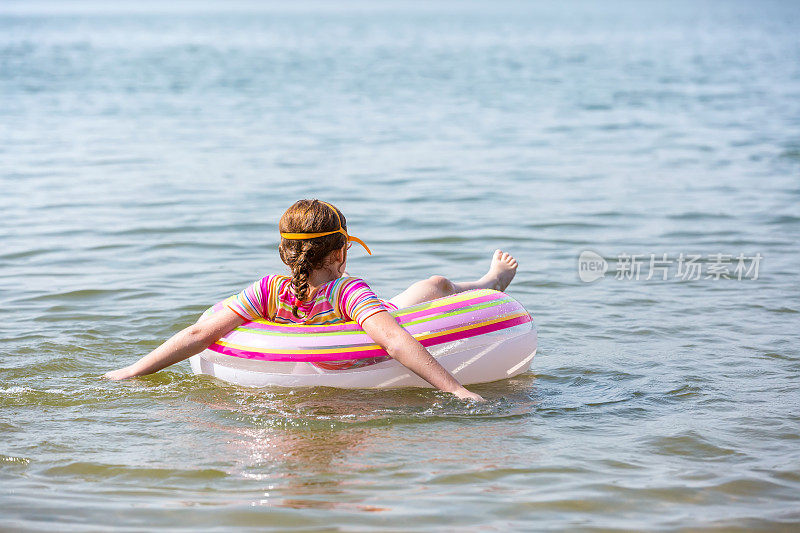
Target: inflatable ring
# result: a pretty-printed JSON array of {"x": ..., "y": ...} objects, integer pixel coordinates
[{"x": 479, "y": 336}]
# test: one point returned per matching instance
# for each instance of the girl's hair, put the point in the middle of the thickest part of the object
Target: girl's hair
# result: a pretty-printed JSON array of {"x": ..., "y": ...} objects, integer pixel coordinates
[{"x": 303, "y": 256}]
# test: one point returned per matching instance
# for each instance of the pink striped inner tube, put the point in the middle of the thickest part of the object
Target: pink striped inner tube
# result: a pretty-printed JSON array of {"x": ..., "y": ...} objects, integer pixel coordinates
[{"x": 479, "y": 336}]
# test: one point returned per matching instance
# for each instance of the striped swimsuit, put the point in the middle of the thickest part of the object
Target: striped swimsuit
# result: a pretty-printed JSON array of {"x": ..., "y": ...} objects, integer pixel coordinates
[{"x": 341, "y": 300}]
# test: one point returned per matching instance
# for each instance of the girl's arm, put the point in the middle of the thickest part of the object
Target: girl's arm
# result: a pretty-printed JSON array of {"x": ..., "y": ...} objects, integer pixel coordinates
[
  {"x": 399, "y": 344},
  {"x": 182, "y": 345}
]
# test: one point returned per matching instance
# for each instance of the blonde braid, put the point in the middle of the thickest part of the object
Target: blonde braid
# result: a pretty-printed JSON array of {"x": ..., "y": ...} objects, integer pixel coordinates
[{"x": 301, "y": 269}]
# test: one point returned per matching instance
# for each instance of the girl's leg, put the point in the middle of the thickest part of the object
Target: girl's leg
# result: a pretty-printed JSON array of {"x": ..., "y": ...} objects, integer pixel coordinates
[{"x": 501, "y": 272}]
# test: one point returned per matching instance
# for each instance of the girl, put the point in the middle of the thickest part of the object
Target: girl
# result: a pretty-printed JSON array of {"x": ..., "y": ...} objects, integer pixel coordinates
[{"x": 314, "y": 244}]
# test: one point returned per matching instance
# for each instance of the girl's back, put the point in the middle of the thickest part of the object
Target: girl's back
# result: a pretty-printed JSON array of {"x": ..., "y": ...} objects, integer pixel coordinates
[{"x": 340, "y": 300}]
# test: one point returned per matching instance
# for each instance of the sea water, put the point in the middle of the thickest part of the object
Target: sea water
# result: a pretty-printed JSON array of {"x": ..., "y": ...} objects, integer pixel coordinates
[{"x": 147, "y": 150}]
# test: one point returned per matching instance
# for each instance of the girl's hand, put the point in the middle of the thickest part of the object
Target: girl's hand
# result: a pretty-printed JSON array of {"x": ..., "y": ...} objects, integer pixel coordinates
[
  {"x": 116, "y": 375},
  {"x": 182, "y": 345},
  {"x": 464, "y": 394}
]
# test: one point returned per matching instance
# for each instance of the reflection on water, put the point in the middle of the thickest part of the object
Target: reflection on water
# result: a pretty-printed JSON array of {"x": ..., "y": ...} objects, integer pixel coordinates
[{"x": 303, "y": 445}]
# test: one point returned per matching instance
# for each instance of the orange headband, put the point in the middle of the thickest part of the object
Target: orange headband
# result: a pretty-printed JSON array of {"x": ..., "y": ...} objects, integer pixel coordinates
[{"x": 350, "y": 238}]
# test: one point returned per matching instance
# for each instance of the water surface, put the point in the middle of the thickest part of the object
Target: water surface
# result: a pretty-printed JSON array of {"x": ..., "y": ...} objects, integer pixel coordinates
[{"x": 148, "y": 150}]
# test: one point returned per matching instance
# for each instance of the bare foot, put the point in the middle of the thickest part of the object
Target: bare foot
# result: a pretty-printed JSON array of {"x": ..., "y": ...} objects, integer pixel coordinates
[{"x": 501, "y": 271}]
